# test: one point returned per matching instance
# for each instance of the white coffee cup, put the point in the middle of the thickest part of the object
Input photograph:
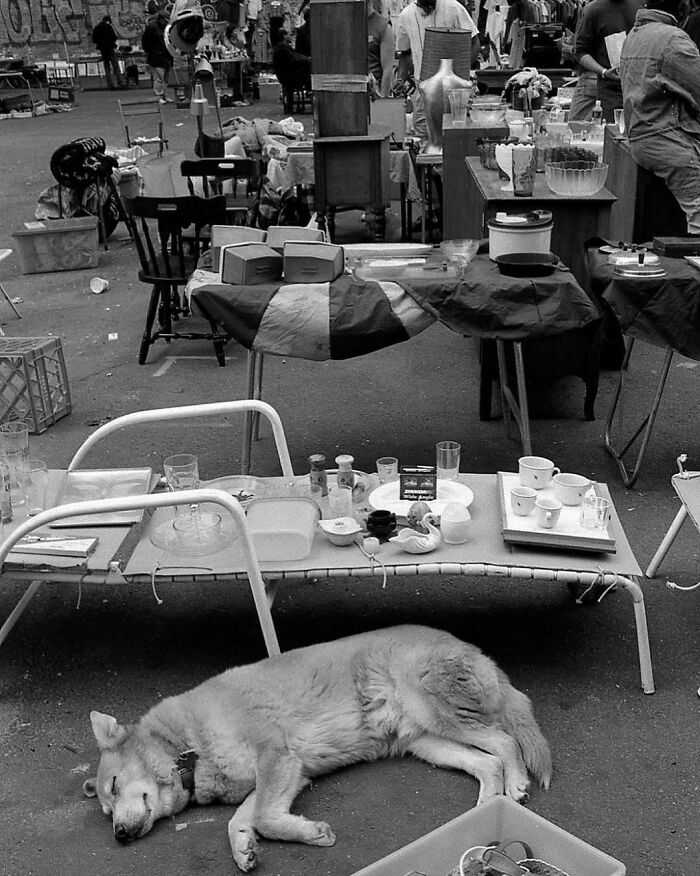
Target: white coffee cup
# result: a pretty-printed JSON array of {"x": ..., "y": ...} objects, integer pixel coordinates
[
  {"x": 570, "y": 488},
  {"x": 522, "y": 500},
  {"x": 99, "y": 285},
  {"x": 536, "y": 471},
  {"x": 547, "y": 511}
]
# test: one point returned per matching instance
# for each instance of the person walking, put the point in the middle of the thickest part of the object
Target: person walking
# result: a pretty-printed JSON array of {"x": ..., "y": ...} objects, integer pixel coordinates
[
  {"x": 380, "y": 51},
  {"x": 158, "y": 57},
  {"x": 104, "y": 36}
]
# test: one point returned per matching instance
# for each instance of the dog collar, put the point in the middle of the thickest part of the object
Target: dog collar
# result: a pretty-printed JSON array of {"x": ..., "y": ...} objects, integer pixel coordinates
[{"x": 185, "y": 763}]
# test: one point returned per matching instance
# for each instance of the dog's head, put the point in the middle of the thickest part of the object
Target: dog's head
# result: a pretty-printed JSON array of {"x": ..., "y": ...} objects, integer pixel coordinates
[{"x": 137, "y": 782}]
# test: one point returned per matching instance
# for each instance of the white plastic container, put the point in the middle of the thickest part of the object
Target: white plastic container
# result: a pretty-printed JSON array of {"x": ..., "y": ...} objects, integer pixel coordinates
[
  {"x": 282, "y": 529},
  {"x": 507, "y": 235}
]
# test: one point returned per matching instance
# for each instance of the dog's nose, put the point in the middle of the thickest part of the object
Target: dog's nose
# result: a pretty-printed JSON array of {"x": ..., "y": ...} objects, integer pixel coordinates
[{"x": 121, "y": 834}]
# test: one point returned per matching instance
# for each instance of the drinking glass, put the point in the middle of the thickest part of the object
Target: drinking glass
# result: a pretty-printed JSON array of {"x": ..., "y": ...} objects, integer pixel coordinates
[
  {"x": 388, "y": 469},
  {"x": 447, "y": 460},
  {"x": 181, "y": 473},
  {"x": 620, "y": 120},
  {"x": 595, "y": 512},
  {"x": 14, "y": 443},
  {"x": 36, "y": 486},
  {"x": 340, "y": 502},
  {"x": 459, "y": 104},
  {"x": 524, "y": 170}
]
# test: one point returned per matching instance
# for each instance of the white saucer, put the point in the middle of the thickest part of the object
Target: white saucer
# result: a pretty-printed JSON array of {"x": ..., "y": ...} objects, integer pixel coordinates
[{"x": 386, "y": 497}]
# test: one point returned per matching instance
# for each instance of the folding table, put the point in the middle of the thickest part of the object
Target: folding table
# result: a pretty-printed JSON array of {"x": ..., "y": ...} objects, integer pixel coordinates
[{"x": 662, "y": 312}]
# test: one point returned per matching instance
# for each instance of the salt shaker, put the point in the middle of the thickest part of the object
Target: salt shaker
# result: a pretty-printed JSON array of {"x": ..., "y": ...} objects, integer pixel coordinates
[
  {"x": 345, "y": 476},
  {"x": 317, "y": 476}
]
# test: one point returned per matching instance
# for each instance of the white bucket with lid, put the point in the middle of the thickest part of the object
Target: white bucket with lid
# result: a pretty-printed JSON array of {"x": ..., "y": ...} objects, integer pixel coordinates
[{"x": 509, "y": 233}]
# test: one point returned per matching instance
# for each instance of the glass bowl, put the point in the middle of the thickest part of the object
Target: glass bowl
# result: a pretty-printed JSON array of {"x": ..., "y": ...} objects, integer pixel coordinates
[
  {"x": 490, "y": 114},
  {"x": 465, "y": 249},
  {"x": 575, "y": 179}
]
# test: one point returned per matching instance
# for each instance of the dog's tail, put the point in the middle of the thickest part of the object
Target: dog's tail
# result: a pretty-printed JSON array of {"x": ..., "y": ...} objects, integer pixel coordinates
[{"x": 519, "y": 721}]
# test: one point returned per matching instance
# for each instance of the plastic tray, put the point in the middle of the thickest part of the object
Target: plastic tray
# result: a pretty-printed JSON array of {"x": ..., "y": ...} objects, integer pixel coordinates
[{"x": 500, "y": 819}]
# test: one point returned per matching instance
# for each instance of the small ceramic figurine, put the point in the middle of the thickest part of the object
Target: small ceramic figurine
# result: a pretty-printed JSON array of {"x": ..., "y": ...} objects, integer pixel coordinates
[
  {"x": 414, "y": 542},
  {"x": 416, "y": 513}
]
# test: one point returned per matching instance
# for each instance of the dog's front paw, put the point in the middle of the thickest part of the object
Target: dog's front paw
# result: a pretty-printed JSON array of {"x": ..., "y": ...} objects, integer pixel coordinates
[
  {"x": 245, "y": 851},
  {"x": 321, "y": 834},
  {"x": 518, "y": 791}
]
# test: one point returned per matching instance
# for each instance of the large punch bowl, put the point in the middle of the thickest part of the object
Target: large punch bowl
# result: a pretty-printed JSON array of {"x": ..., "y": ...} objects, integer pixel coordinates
[
  {"x": 488, "y": 114},
  {"x": 575, "y": 179}
]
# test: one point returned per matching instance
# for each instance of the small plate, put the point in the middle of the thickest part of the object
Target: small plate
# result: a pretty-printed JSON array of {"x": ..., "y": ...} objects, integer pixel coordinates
[
  {"x": 608, "y": 249},
  {"x": 386, "y": 497}
]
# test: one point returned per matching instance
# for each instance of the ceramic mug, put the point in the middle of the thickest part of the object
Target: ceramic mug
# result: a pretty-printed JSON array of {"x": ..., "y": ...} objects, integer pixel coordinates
[
  {"x": 547, "y": 511},
  {"x": 522, "y": 500},
  {"x": 570, "y": 488},
  {"x": 536, "y": 471}
]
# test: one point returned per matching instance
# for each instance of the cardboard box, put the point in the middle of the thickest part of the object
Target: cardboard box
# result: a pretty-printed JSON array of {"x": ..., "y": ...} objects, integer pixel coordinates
[
  {"x": 278, "y": 235},
  {"x": 58, "y": 245},
  {"x": 498, "y": 820},
  {"x": 312, "y": 262},
  {"x": 225, "y": 235},
  {"x": 248, "y": 264}
]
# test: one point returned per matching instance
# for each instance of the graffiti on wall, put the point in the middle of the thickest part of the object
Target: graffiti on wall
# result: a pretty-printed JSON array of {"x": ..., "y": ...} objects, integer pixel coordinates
[{"x": 46, "y": 25}]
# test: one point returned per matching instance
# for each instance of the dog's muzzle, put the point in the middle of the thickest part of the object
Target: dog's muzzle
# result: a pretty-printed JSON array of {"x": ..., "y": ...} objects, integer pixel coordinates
[{"x": 122, "y": 834}]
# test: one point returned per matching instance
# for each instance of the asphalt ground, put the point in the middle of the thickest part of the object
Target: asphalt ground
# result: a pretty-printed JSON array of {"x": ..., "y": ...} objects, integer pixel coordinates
[{"x": 626, "y": 764}]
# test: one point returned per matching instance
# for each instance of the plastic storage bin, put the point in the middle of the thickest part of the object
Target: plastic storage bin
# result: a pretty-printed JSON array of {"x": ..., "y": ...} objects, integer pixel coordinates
[
  {"x": 33, "y": 382},
  {"x": 282, "y": 529},
  {"x": 498, "y": 820},
  {"x": 58, "y": 245}
]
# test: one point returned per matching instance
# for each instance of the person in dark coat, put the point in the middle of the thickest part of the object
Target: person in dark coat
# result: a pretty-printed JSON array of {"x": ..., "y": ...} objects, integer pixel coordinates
[
  {"x": 292, "y": 69},
  {"x": 104, "y": 36},
  {"x": 158, "y": 57}
]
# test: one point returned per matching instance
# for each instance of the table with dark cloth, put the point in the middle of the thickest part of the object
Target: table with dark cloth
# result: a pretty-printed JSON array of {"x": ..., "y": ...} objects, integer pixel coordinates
[{"x": 664, "y": 312}]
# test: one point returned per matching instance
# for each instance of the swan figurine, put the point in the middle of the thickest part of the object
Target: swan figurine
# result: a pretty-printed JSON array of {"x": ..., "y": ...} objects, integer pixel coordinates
[{"x": 414, "y": 542}]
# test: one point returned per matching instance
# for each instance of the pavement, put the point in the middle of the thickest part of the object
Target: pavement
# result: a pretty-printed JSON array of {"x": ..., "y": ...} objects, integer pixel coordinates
[{"x": 626, "y": 764}]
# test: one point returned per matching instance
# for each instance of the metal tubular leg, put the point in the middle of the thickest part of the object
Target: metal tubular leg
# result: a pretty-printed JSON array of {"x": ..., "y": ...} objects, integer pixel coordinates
[
  {"x": 258, "y": 394},
  {"x": 667, "y": 541},
  {"x": 640, "y": 618},
  {"x": 519, "y": 409},
  {"x": 249, "y": 421},
  {"x": 645, "y": 427},
  {"x": 17, "y": 611}
]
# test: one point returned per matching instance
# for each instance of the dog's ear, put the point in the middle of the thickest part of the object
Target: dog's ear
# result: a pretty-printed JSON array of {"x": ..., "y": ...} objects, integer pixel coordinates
[
  {"x": 108, "y": 732},
  {"x": 90, "y": 787}
]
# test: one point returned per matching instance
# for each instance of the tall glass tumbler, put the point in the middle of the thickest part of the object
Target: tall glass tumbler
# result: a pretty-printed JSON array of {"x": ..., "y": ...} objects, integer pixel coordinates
[
  {"x": 524, "y": 170},
  {"x": 459, "y": 105},
  {"x": 14, "y": 443},
  {"x": 447, "y": 455},
  {"x": 181, "y": 473}
]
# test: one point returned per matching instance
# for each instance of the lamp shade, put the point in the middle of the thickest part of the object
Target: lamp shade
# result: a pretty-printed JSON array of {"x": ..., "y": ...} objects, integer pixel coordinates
[{"x": 446, "y": 42}]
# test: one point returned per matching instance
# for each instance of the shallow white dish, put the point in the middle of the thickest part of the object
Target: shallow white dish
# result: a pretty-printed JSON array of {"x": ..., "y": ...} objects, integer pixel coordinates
[
  {"x": 386, "y": 497},
  {"x": 245, "y": 488}
]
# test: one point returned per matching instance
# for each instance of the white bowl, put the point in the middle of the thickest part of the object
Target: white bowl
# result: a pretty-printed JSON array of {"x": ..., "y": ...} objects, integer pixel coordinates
[{"x": 341, "y": 530}]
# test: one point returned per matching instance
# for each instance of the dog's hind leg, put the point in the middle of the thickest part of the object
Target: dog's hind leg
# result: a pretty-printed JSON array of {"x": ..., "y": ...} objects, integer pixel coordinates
[
  {"x": 446, "y": 753},
  {"x": 241, "y": 835},
  {"x": 507, "y": 750},
  {"x": 280, "y": 777}
]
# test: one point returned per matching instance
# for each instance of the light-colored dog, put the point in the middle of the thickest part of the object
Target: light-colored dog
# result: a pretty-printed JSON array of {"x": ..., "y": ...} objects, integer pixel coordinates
[{"x": 255, "y": 735}]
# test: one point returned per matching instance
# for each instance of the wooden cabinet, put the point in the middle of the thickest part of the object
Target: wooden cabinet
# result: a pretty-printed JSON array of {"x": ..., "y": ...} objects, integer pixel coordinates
[
  {"x": 644, "y": 208},
  {"x": 352, "y": 172}
]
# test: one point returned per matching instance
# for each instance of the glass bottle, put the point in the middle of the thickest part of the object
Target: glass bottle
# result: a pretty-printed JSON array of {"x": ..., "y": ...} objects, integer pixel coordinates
[
  {"x": 5, "y": 501},
  {"x": 317, "y": 476},
  {"x": 597, "y": 113}
]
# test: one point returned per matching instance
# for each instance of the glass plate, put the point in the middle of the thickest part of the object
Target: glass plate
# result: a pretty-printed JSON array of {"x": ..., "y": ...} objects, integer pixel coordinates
[
  {"x": 245, "y": 488},
  {"x": 387, "y": 497},
  {"x": 86, "y": 484}
]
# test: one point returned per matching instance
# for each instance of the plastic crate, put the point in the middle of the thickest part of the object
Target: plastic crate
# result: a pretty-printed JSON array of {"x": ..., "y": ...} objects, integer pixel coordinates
[
  {"x": 33, "y": 382},
  {"x": 58, "y": 245},
  {"x": 498, "y": 820}
]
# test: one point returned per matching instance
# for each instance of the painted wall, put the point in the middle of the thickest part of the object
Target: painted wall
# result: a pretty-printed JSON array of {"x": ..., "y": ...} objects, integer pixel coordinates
[{"x": 42, "y": 27}]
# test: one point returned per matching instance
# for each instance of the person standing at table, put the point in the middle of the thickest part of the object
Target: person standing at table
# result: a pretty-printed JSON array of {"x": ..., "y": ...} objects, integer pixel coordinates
[
  {"x": 158, "y": 57},
  {"x": 660, "y": 74},
  {"x": 410, "y": 39},
  {"x": 104, "y": 36},
  {"x": 599, "y": 80},
  {"x": 380, "y": 51}
]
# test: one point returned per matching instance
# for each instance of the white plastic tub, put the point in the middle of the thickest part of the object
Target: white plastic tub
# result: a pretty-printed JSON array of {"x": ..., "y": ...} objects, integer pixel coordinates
[
  {"x": 505, "y": 241},
  {"x": 282, "y": 529},
  {"x": 498, "y": 820}
]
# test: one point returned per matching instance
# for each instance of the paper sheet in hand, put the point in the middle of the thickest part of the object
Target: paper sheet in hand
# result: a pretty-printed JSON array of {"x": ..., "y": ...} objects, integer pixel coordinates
[{"x": 613, "y": 44}]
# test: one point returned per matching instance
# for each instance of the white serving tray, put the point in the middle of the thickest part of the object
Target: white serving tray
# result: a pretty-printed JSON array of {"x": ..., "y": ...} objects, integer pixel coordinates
[
  {"x": 567, "y": 534},
  {"x": 88, "y": 484}
]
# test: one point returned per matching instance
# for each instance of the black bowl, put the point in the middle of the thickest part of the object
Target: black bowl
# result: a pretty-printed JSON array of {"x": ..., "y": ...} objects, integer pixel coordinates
[{"x": 527, "y": 264}]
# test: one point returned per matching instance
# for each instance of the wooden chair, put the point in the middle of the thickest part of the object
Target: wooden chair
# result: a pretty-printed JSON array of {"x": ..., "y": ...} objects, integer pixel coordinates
[
  {"x": 140, "y": 118},
  {"x": 243, "y": 175},
  {"x": 168, "y": 260}
]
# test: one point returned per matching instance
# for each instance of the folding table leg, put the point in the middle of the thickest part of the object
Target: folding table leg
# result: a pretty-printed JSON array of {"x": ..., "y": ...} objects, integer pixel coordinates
[
  {"x": 667, "y": 541},
  {"x": 518, "y": 409},
  {"x": 645, "y": 427},
  {"x": 258, "y": 394},
  {"x": 16, "y": 612},
  {"x": 249, "y": 420}
]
